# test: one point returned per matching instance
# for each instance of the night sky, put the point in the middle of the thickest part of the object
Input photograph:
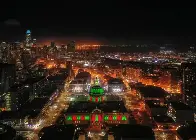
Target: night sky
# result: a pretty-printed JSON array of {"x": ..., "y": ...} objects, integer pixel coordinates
[{"x": 99, "y": 20}]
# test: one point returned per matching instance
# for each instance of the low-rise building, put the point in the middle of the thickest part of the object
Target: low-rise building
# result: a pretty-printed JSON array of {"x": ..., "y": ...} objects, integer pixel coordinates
[
  {"x": 187, "y": 132},
  {"x": 180, "y": 112},
  {"x": 164, "y": 122},
  {"x": 115, "y": 86},
  {"x": 133, "y": 132},
  {"x": 151, "y": 93},
  {"x": 153, "y": 108}
]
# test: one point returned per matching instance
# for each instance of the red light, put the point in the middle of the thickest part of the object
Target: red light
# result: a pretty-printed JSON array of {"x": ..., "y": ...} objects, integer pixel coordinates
[
  {"x": 82, "y": 118},
  {"x": 99, "y": 117},
  {"x": 119, "y": 117},
  {"x": 110, "y": 118},
  {"x": 91, "y": 99},
  {"x": 93, "y": 118},
  {"x": 96, "y": 99},
  {"x": 74, "y": 118}
]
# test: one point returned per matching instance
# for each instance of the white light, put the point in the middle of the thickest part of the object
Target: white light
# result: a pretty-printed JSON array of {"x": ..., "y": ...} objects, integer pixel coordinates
[{"x": 117, "y": 90}]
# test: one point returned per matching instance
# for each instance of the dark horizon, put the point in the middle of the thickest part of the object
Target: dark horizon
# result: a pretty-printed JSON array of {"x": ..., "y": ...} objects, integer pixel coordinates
[{"x": 107, "y": 22}]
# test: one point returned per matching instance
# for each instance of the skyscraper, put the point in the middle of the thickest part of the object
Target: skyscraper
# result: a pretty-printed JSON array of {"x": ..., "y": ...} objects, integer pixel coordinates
[
  {"x": 7, "y": 77},
  {"x": 28, "y": 38},
  {"x": 71, "y": 46},
  {"x": 189, "y": 83}
]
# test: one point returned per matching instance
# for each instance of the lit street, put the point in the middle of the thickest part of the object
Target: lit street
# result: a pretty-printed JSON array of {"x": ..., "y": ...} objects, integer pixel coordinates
[{"x": 50, "y": 113}]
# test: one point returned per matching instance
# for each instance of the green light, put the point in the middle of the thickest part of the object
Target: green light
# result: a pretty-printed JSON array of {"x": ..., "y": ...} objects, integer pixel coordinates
[
  {"x": 87, "y": 118},
  {"x": 124, "y": 118},
  {"x": 114, "y": 117},
  {"x": 69, "y": 118},
  {"x": 96, "y": 91},
  {"x": 96, "y": 118},
  {"x": 78, "y": 117},
  {"x": 99, "y": 99},
  {"x": 105, "y": 118}
]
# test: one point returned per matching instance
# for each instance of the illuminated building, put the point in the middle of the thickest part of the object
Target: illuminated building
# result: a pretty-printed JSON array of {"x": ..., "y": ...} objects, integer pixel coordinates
[
  {"x": 28, "y": 38},
  {"x": 189, "y": 83},
  {"x": 16, "y": 97},
  {"x": 19, "y": 94},
  {"x": 26, "y": 59},
  {"x": 115, "y": 86},
  {"x": 96, "y": 91},
  {"x": 97, "y": 114},
  {"x": 5, "y": 52},
  {"x": 78, "y": 86},
  {"x": 124, "y": 70},
  {"x": 87, "y": 47},
  {"x": 81, "y": 83},
  {"x": 133, "y": 74},
  {"x": 96, "y": 99}
]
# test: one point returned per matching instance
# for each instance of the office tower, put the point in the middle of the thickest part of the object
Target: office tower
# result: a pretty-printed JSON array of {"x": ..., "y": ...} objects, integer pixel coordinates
[
  {"x": 71, "y": 46},
  {"x": 26, "y": 59},
  {"x": 189, "y": 83},
  {"x": 7, "y": 77},
  {"x": 5, "y": 52},
  {"x": 69, "y": 67},
  {"x": 52, "y": 44},
  {"x": 28, "y": 38},
  {"x": 34, "y": 42},
  {"x": 124, "y": 70}
]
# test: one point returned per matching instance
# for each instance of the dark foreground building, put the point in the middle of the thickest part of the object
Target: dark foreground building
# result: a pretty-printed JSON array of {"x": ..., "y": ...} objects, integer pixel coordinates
[
  {"x": 57, "y": 132},
  {"x": 133, "y": 132},
  {"x": 7, "y": 132},
  {"x": 187, "y": 132}
]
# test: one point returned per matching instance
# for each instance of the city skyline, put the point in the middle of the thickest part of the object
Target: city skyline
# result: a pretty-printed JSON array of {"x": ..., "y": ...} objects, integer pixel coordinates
[{"x": 93, "y": 70}]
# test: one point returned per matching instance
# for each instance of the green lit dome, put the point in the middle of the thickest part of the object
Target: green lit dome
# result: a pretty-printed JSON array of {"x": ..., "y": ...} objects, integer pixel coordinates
[{"x": 96, "y": 91}]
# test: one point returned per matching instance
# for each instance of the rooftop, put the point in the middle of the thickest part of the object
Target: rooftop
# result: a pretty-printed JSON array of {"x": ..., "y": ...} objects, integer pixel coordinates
[
  {"x": 7, "y": 132},
  {"x": 187, "y": 132},
  {"x": 83, "y": 75},
  {"x": 58, "y": 132},
  {"x": 33, "y": 80},
  {"x": 180, "y": 106},
  {"x": 133, "y": 131},
  {"x": 152, "y": 104},
  {"x": 163, "y": 119},
  {"x": 35, "y": 104},
  {"x": 115, "y": 81},
  {"x": 152, "y": 92},
  {"x": 6, "y": 115}
]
